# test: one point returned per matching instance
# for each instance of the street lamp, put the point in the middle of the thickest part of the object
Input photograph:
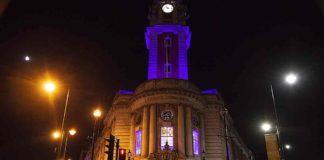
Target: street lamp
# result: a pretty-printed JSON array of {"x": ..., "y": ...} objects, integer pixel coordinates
[
  {"x": 266, "y": 127},
  {"x": 96, "y": 114},
  {"x": 290, "y": 79},
  {"x": 49, "y": 86},
  {"x": 224, "y": 112},
  {"x": 27, "y": 58},
  {"x": 287, "y": 146},
  {"x": 271, "y": 141},
  {"x": 72, "y": 132},
  {"x": 56, "y": 134}
]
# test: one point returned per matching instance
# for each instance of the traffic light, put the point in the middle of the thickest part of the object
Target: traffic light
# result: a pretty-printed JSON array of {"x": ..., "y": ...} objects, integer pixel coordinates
[
  {"x": 110, "y": 147},
  {"x": 122, "y": 154}
]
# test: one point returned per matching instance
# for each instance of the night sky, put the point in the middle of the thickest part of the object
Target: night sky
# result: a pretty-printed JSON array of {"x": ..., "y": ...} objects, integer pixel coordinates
[{"x": 96, "y": 48}]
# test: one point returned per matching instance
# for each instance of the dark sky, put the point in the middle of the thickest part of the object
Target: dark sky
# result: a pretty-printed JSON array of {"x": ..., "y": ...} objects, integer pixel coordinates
[{"x": 97, "y": 47}]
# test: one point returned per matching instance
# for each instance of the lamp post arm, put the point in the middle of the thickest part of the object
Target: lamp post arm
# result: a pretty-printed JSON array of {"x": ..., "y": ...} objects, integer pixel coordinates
[
  {"x": 225, "y": 132},
  {"x": 63, "y": 120},
  {"x": 274, "y": 106},
  {"x": 65, "y": 108},
  {"x": 93, "y": 139}
]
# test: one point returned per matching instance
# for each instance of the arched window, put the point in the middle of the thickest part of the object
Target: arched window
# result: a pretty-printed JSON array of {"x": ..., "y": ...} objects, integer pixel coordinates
[{"x": 167, "y": 136}]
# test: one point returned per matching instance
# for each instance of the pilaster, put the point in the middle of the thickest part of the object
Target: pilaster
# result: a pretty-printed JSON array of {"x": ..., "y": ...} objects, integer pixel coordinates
[
  {"x": 145, "y": 134},
  {"x": 152, "y": 141},
  {"x": 181, "y": 132},
  {"x": 132, "y": 134},
  {"x": 189, "y": 150}
]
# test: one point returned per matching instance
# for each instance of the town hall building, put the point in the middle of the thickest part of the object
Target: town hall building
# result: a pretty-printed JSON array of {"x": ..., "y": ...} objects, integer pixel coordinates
[{"x": 167, "y": 117}]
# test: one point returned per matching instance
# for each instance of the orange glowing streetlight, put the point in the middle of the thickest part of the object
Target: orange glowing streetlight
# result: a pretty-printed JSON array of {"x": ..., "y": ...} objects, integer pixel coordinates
[
  {"x": 49, "y": 86},
  {"x": 97, "y": 113},
  {"x": 72, "y": 131},
  {"x": 56, "y": 134}
]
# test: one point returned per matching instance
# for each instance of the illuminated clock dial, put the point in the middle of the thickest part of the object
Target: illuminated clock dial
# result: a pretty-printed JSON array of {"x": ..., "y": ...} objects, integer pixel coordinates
[
  {"x": 167, "y": 8},
  {"x": 166, "y": 115}
]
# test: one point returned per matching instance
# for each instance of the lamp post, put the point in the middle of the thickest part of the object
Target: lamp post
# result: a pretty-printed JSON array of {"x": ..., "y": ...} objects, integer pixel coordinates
[
  {"x": 72, "y": 132},
  {"x": 63, "y": 120},
  {"x": 290, "y": 79},
  {"x": 97, "y": 114},
  {"x": 56, "y": 135},
  {"x": 50, "y": 87},
  {"x": 225, "y": 112}
]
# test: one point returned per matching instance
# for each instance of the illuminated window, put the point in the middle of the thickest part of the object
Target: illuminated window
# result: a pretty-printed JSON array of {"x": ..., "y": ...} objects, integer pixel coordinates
[
  {"x": 138, "y": 142},
  {"x": 167, "y": 136},
  {"x": 195, "y": 138}
]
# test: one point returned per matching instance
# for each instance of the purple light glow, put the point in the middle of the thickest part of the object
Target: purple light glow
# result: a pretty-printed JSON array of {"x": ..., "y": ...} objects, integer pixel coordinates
[
  {"x": 195, "y": 137},
  {"x": 151, "y": 37},
  {"x": 138, "y": 143},
  {"x": 210, "y": 91},
  {"x": 125, "y": 92}
]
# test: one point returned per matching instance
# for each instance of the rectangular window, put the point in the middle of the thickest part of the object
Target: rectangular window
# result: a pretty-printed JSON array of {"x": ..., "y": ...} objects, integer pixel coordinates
[
  {"x": 138, "y": 143},
  {"x": 167, "y": 68},
  {"x": 195, "y": 138},
  {"x": 167, "y": 136}
]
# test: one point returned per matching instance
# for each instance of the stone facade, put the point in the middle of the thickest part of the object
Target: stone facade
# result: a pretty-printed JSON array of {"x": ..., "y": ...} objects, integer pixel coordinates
[{"x": 190, "y": 110}]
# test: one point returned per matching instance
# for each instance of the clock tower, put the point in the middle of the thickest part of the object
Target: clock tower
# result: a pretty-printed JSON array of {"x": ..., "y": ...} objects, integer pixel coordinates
[
  {"x": 167, "y": 117},
  {"x": 168, "y": 39}
]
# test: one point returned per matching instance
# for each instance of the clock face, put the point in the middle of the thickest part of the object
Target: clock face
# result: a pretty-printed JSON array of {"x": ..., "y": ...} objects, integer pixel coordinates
[
  {"x": 166, "y": 115},
  {"x": 167, "y": 8}
]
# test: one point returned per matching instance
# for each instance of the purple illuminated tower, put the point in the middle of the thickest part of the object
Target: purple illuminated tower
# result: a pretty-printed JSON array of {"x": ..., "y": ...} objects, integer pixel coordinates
[{"x": 167, "y": 39}]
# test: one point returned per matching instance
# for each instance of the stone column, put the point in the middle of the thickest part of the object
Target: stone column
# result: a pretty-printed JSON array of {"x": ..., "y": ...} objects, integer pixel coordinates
[
  {"x": 181, "y": 132},
  {"x": 152, "y": 144},
  {"x": 202, "y": 132},
  {"x": 189, "y": 150},
  {"x": 132, "y": 134},
  {"x": 145, "y": 134}
]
